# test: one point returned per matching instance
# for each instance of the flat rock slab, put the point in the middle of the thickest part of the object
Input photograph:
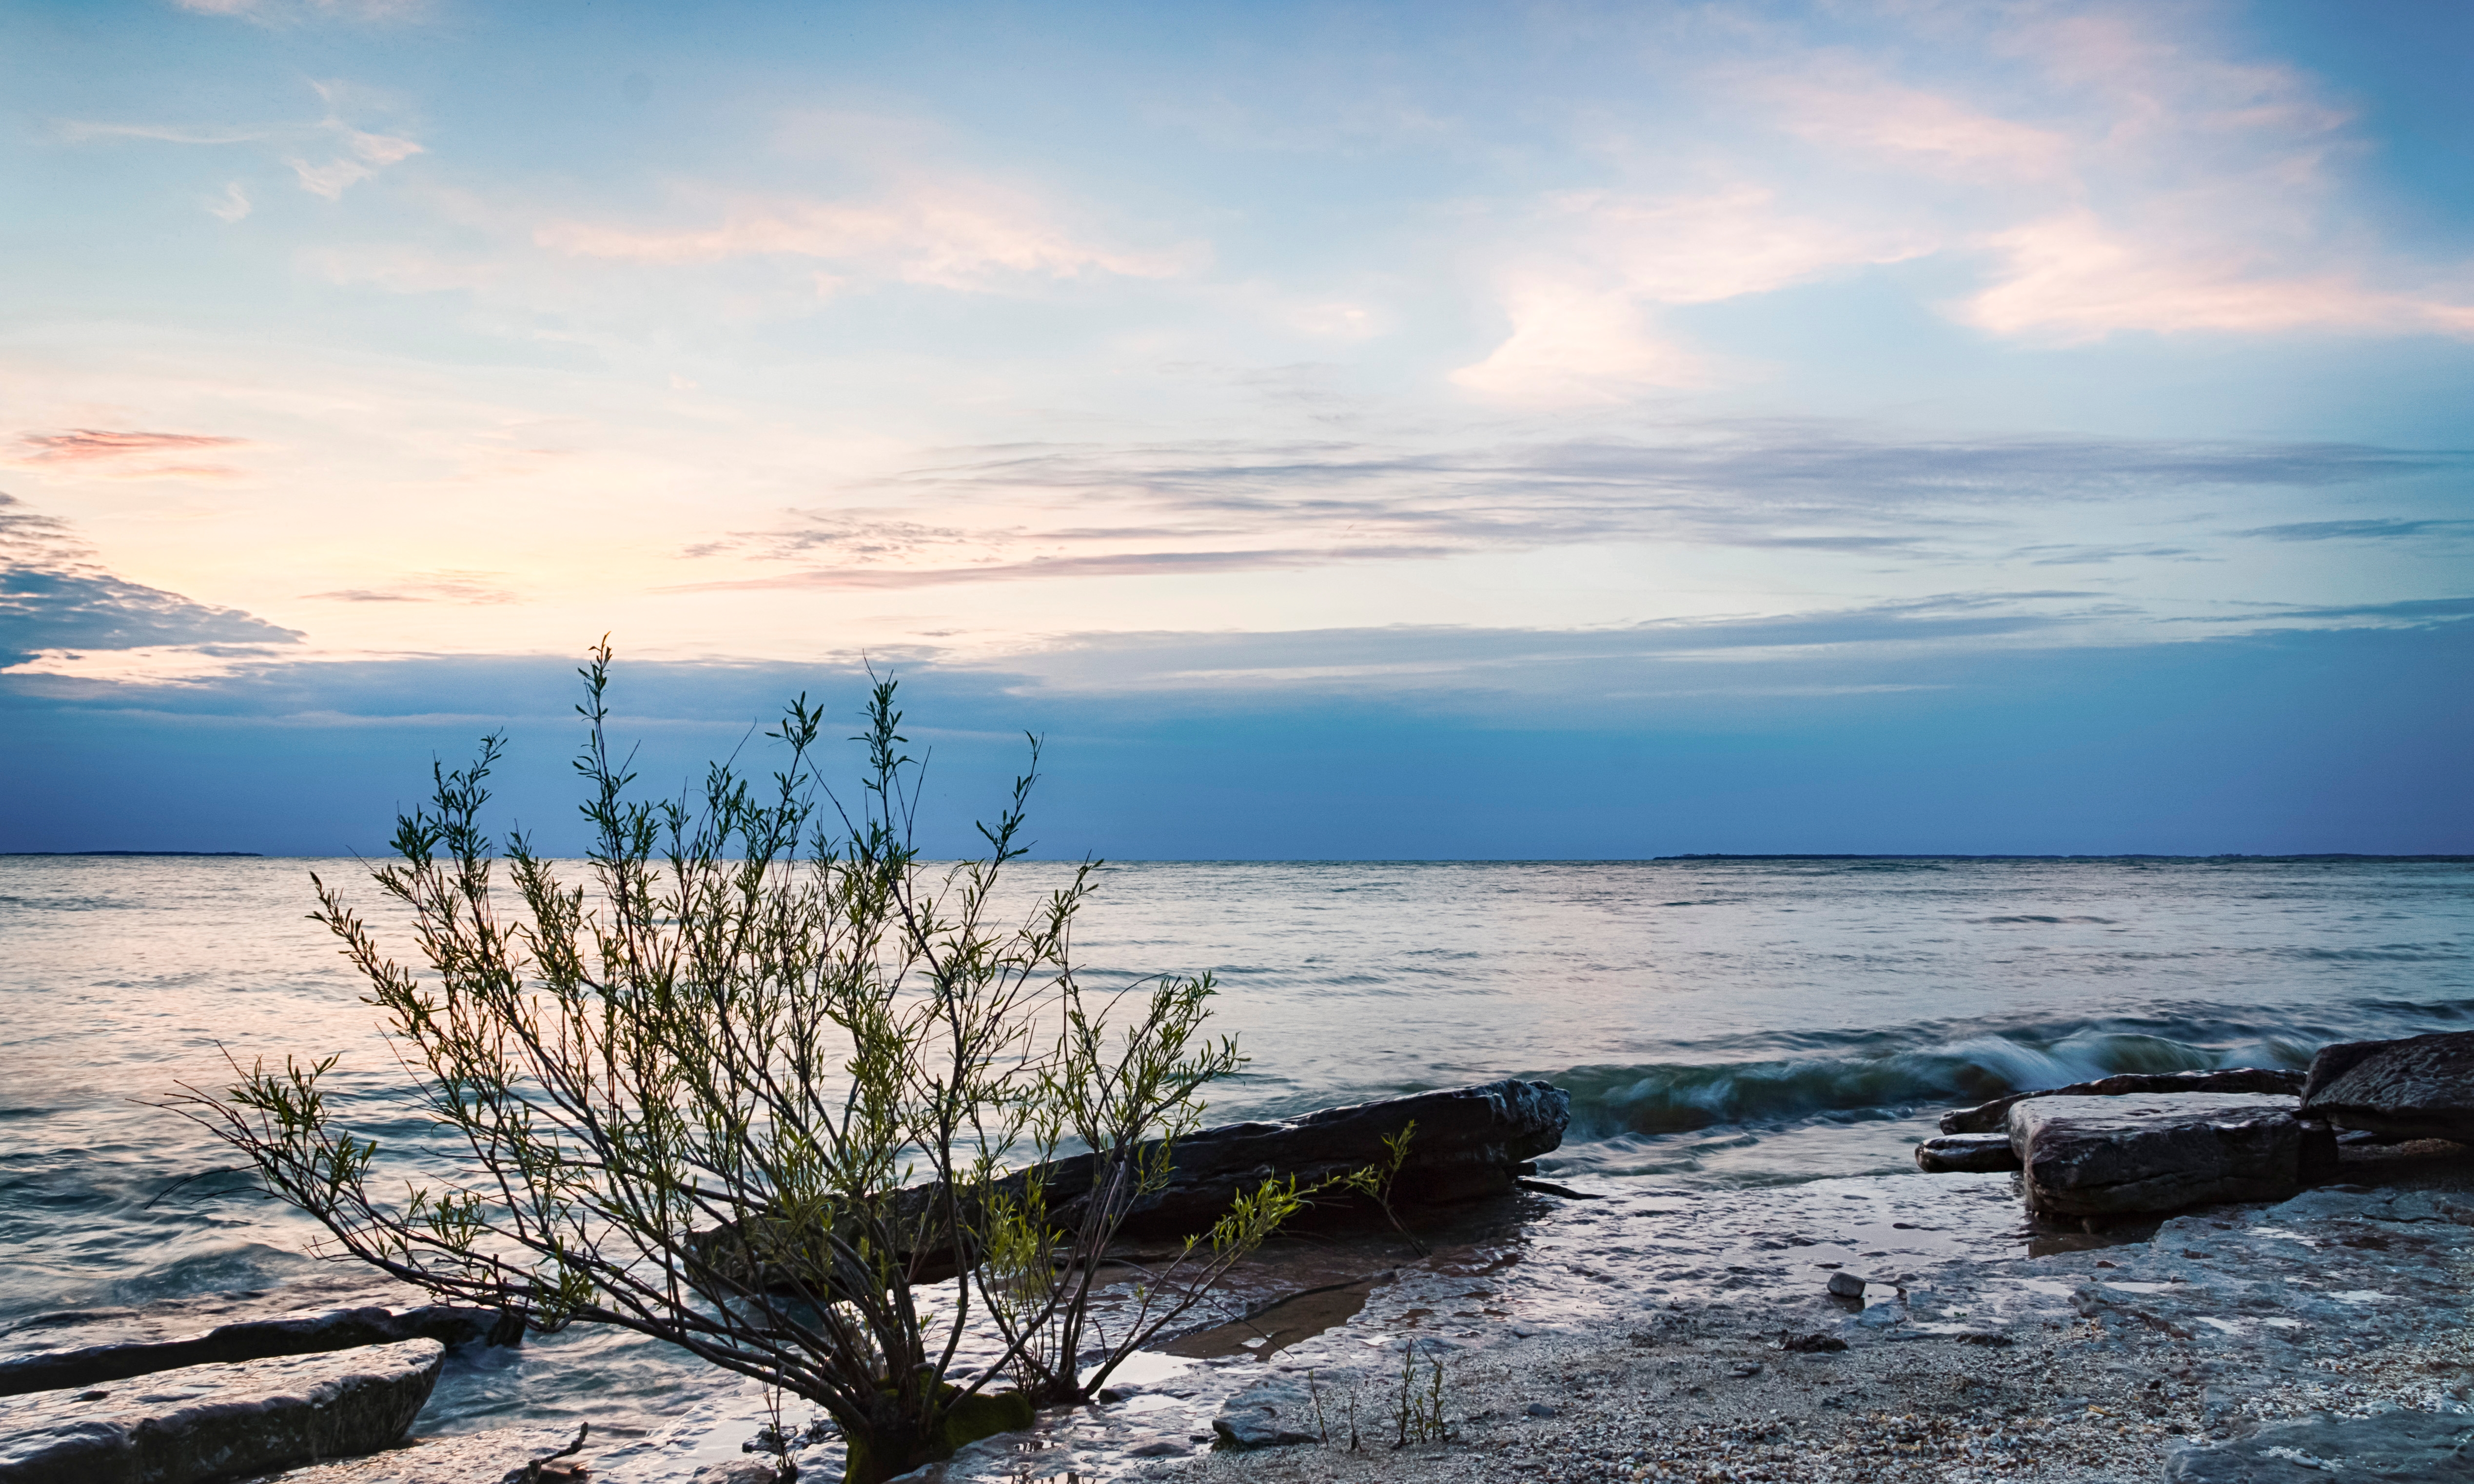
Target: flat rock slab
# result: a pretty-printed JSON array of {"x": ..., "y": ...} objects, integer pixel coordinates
[
  {"x": 2420, "y": 1087},
  {"x": 1994, "y": 1117},
  {"x": 213, "y": 1421},
  {"x": 2423, "y": 1446},
  {"x": 2132, "y": 1153},
  {"x": 1470, "y": 1142},
  {"x": 1967, "y": 1154},
  {"x": 83, "y": 1365}
]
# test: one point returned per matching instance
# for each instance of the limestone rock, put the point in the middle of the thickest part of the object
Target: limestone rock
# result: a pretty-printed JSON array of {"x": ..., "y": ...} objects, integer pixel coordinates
[
  {"x": 1972, "y": 1154},
  {"x": 738, "y": 1470},
  {"x": 1995, "y": 1116},
  {"x": 2421, "y": 1447},
  {"x": 294, "y": 1334},
  {"x": 210, "y": 1421},
  {"x": 2131, "y": 1153},
  {"x": 1470, "y": 1142},
  {"x": 1275, "y": 1412},
  {"x": 2419, "y": 1087}
]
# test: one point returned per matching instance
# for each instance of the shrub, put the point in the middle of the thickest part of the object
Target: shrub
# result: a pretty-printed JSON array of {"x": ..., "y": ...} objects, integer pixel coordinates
[{"x": 764, "y": 1085}]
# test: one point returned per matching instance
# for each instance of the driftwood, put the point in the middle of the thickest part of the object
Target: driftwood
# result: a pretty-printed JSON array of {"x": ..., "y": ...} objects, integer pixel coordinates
[{"x": 1995, "y": 1116}]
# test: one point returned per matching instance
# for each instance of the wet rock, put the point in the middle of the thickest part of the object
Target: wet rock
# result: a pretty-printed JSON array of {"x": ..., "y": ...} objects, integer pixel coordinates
[
  {"x": 2130, "y": 1153},
  {"x": 1538, "y": 1409},
  {"x": 2419, "y": 1087},
  {"x": 738, "y": 1470},
  {"x": 211, "y": 1422},
  {"x": 1846, "y": 1286},
  {"x": 1995, "y": 1116},
  {"x": 2423, "y": 1446},
  {"x": 1247, "y": 1431},
  {"x": 297, "y": 1335},
  {"x": 1967, "y": 1154},
  {"x": 1811, "y": 1343},
  {"x": 1277, "y": 1411},
  {"x": 1470, "y": 1143}
]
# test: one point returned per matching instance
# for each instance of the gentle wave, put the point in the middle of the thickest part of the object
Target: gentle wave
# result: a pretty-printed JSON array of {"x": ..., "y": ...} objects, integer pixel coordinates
[{"x": 1653, "y": 1098}]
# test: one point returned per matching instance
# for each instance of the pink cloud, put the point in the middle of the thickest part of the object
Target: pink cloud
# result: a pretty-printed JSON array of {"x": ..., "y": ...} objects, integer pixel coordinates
[
  {"x": 90, "y": 445},
  {"x": 2071, "y": 279}
]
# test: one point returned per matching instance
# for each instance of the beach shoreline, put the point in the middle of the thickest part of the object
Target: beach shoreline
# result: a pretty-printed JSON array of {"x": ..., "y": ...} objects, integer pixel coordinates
[{"x": 1577, "y": 1347}]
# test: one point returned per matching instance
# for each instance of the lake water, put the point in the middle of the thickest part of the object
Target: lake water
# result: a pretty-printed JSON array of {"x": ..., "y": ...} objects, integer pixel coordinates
[{"x": 1721, "y": 1023}]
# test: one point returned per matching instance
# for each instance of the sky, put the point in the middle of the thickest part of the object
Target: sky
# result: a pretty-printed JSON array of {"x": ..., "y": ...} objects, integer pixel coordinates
[{"x": 1373, "y": 431}]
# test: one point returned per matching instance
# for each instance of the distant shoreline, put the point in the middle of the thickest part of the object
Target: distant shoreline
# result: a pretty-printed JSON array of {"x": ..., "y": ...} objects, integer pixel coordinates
[
  {"x": 211, "y": 855},
  {"x": 2229, "y": 857}
]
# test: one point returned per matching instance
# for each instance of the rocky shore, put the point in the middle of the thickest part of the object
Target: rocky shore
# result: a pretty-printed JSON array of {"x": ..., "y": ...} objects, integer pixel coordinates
[{"x": 1910, "y": 1326}]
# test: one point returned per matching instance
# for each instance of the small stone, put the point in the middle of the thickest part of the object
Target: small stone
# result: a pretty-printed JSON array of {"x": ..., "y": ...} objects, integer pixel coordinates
[
  {"x": 1538, "y": 1409},
  {"x": 1245, "y": 1431},
  {"x": 1846, "y": 1286},
  {"x": 738, "y": 1470},
  {"x": 1965, "y": 1153},
  {"x": 1163, "y": 1448}
]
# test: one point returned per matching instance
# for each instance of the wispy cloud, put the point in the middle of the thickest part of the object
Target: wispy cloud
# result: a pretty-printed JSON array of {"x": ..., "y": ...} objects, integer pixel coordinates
[
  {"x": 1016, "y": 513},
  {"x": 954, "y": 235},
  {"x": 360, "y": 153},
  {"x": 2106, "y": 173},
  {"x": 78, "y": 131},
  {"x": 129, "y": 454},
  {"x": 435, "y": 587},
  {"x": 235, "y": 205},
  {"x": 2361, "y": 530},
  {"x": 1584, "y": 312}
]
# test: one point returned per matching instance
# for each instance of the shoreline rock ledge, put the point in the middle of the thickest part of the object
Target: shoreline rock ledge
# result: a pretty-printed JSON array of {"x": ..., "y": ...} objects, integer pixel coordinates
[
  {"x": 2128, "y": 1155},
  {"x": 1470, "y": 1143},
  {"x": 2421, "y": 1087},
  {"x": 214, "y": 1422},
  {"x": 254, "y": 1339}
]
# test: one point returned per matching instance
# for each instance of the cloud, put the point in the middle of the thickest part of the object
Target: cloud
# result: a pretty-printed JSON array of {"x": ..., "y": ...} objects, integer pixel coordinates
[
  {"x": 278, "y": 12},
  {"x": 2103, "y": 171},
  {"x": 435, "y": 587},
  {"x": 86, "y": 444},
  {"x": 1584, "y": 312},
  {"x": 77, "y": 131},
  {"x": 2359, "y": 530},
  {"x": 54, "y": 597},
  {"x": 1800, "y": 654},
  {"x": 1029, "y": 512},
  {"x": 363, "y": 153},
  {"x": 129, "y": 455},
  {"x": 1847, "y": 107},
  {"x": 1113, "y": 564},
  {"x": 2073, "y": 280},
  {"x": 948, "y": 235}
]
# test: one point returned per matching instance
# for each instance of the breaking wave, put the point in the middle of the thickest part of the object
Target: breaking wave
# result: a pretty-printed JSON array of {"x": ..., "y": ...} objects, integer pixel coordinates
[{"x": 1890, "y": 1075}]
